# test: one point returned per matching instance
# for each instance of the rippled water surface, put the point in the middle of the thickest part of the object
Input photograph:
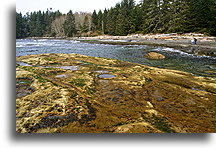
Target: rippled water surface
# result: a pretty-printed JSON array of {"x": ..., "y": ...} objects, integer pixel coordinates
[{"x": 175, "y": 59}]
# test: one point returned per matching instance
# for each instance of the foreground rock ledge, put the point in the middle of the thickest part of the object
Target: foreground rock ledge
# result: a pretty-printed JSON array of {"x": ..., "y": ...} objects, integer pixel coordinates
[{"x": 63, "y": 93}]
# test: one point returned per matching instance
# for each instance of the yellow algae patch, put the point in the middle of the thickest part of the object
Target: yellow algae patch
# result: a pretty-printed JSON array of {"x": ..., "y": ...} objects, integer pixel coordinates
[
  {"x": 152, "y": 112},
  {"x": 140, "y": 127}
]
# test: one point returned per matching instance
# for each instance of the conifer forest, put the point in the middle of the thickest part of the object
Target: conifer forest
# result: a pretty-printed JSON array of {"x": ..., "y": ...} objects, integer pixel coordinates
[{"x": 149, "y": 16}]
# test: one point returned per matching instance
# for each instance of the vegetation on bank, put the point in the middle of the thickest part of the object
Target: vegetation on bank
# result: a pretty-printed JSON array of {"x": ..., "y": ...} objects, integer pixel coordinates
[{"x": 148, "y": 16}]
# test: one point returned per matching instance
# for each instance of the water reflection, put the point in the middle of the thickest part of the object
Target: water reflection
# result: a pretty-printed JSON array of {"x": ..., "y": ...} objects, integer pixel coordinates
[{"x": 106, "y": 76}]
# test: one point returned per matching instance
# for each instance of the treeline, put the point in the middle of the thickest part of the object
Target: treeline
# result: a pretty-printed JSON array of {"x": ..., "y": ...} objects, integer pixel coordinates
[
  {"x": 35, "y": 24},
  {"x": 52, "y": 24},
  {"x": 149, "y": 16},
  {"x": 157, "y": 16}
]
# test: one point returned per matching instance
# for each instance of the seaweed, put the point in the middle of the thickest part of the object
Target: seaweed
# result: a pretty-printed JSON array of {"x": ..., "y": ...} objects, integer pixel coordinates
[
  {"x": 159, "y": 122},
  {"x": 78, "y": 82}
]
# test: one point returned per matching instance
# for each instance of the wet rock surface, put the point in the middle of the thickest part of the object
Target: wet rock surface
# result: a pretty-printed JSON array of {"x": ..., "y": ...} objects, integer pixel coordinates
[
  {"x": 23, "y": 87},
  {"x": 138, "y": 99}
]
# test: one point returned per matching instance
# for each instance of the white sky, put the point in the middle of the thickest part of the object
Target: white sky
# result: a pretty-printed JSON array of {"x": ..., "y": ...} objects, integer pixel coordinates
[{"x": 64, "y": 6}]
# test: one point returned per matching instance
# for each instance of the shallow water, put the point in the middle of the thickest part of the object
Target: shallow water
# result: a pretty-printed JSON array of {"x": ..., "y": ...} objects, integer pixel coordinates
[
  {"x": 175, "y": 59},
  {"x": 101, "y": 71},
  {"x": 23, "y": 64},
  {"x": 106, "y": 76},
  {"x": 61, "y": 76},
  {"x": 73, "y": 68}
]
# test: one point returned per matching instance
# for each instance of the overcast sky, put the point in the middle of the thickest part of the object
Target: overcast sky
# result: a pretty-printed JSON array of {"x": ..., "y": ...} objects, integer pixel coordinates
[{"x": 64, "y": 6}]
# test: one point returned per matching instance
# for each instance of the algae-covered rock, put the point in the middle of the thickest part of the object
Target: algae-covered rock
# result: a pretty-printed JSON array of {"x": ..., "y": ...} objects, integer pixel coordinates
[
  {"x": 136, "y": 99},
  {"x": 154, "y": 56}
]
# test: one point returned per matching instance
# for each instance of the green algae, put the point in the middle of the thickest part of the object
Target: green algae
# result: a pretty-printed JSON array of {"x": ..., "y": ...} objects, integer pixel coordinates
[
  {"x": 90, "y": 90},
  {"x": 78, "y": 82}
]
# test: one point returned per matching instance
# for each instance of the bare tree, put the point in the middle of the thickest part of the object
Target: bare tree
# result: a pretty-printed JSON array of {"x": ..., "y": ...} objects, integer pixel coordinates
[
  {"x": 82, "y": 19},
  {"x": 57, "y": 26}
]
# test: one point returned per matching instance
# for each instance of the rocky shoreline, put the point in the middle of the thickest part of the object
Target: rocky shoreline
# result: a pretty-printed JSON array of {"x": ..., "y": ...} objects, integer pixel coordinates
[
  {"x": 72, "y": 93},
  {"x": 205, "y": 45}
]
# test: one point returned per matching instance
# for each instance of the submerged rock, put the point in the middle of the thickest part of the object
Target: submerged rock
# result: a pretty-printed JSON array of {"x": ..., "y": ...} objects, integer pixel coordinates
[{"x": 154, "y": 56}]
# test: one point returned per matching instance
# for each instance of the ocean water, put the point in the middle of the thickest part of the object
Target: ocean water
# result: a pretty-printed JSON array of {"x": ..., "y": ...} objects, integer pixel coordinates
[{"x": 175, "y": 59}]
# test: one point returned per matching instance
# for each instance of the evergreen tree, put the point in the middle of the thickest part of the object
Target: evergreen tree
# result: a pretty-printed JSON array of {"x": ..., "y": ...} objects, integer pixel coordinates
[
  {"x": 32, "y": 24},
  {"x": 111, "y": 21},
  {"x": 39, "y": 24},
  {"x": 100, "y": 20},
  {"x": 164, "y": 16},
  {"x": 200, "y": 16},
  {"x": 212, "y": 18},
  {"x": 178, "y": 11},
  {"x": 48, "y": 19},
  {"x": 151, "y": 16},
  {"x": 94, "y": 19},
  {"x": 104, "y": 29},
  {"x": 69, "y": 25},
  {"x": 121, "y": 25},
  {"x": 138, "y": 16},
  {"x": 132, "y": 16},
  {"x": 125, "y": 18},
  {"x": 21, "y": 26}
]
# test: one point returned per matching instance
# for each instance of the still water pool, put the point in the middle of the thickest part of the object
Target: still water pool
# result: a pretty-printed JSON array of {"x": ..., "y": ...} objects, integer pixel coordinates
[{"x": 175, "y": 59}]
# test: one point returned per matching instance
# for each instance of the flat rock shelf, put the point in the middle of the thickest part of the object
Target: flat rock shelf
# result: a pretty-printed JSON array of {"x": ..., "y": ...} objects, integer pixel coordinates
[{"x": 137, "y": 99}]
